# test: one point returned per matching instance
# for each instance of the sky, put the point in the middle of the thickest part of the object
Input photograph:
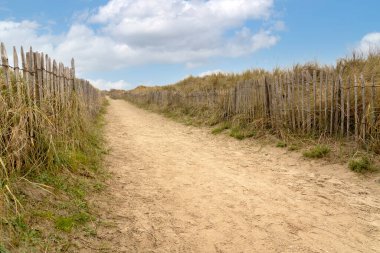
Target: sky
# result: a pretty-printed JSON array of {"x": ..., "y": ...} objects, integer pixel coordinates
[{"x": 125, "y": 43}]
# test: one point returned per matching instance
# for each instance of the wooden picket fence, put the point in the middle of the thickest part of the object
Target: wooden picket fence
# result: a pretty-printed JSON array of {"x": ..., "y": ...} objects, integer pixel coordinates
[
  {"x": 41, "y": 102},
  {"x": 309, "y": 103},
  {"x": 45, "y": 84},
  {"x": 44, "y": 79}
]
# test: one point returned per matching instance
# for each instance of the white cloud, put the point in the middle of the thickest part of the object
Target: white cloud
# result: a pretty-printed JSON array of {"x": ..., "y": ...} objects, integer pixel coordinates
[
  {"x": 247, "y": 42},
  {"x": 16, "y": 34},
  {"x": 107, "y": 85},
  {"x": 279, "y": 26},
  {"x": 91, "y": 51},
  {"x": 123, "y": 33},
  {"x": 211, "y": 72},
  {"x": 182, "y": 9},
  {"x": 369, "y": 43},
  {"x": 186, "y": 31},
  {"x": 177, "y": 22},
  {"x": 94, "y": 52}
]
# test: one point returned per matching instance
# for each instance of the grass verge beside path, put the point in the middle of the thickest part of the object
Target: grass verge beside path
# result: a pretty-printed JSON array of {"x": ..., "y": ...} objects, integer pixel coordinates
[
  {"x": 312, "y": 147},
  {"x": 47, "y": 208}
]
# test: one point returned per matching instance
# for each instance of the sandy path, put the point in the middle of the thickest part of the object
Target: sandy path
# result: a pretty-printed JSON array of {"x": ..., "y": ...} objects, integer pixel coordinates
[{"x": 180, "y": 189}]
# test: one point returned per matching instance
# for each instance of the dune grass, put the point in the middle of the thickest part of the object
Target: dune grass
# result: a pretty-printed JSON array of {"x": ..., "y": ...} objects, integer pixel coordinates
[
  {"x": 281, "y": 144},
  {"x": 319, "y": 151},
  {"x": 53, "y": 200},
  {"x": 219, "y": 129},
  {"x": 362, "y": 164},
  {"x": 50, "y": 160}
]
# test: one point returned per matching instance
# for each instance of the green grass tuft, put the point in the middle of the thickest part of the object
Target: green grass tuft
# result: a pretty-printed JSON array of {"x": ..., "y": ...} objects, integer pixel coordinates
[
  {"x": 66, "y": 224},
  {"x": 220, "y": 128},
  {"x": 361, "y": 164},
  {"x": 98, "y": 187},
  {"x": 293, "y": 148},
  {"x": 281, "y": 144},
  {"x": 250, "y": 134},
  {"x": 237, "y": 134},
  {"x": 3, "y": 249},
  {"x": 24, "y": 233},
  {"x": 318, "y": 151},
  {"x": 241, "y": 134}
]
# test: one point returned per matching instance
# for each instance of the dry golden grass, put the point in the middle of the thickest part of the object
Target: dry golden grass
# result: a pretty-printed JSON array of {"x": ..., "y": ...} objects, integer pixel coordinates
[{"x": 51, "y": 138}]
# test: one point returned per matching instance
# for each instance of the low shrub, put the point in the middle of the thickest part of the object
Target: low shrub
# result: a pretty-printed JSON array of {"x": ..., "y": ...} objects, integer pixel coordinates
[
  {"x": 3, "y": 249},
  {"x": 220, "y": 128},
  {"x": 293, "y": 148},
  {"x": 318, "y": 151},
  {"x": 241, "y": 134},
  {"x": 361, "y": 164},
  {"x": 281, "y": 144}
]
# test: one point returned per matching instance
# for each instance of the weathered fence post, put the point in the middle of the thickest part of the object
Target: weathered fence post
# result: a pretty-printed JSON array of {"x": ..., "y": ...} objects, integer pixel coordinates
[
  {"x": 5, "y": 65},
  {"x": 373, "y": 104},
  {"x": 342, "y": 116},
  {"x": 332, "y": 105},
  {"x": 315, "y": 101},
  {"x": 348, "y": 107},
  {"x": 363, "y": 125},
  {"x": 17, "y": 74},
  {"x": 356, "y": 108}
]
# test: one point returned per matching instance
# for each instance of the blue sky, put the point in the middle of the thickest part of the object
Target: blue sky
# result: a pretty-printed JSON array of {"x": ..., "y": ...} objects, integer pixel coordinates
[{"x": 125, "y": 43}]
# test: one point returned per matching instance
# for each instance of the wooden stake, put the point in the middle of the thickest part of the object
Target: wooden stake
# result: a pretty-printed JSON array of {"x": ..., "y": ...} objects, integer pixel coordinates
[
  {"x": 348, "y": 107},
  {"x": 356, "y": 108},
  {"x": 17, "y": 74},
  {"x": 308, "y": 103},
  {"x": 342, "y": 116},
  {"x": 373, "y": 104},
  {"x": 315, "y": 101},
  {"x": 292, "y": 101},
  {"x": 302, "y": 103},
  {"x": 332, "y": 106},
  {"x": 326, "y": 102},
  {"x": 5, "y": 65},
  {"x": 363, "y": 125}
]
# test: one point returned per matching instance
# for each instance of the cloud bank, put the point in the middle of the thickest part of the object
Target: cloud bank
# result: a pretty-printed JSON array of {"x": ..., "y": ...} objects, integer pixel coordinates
[
  {"x": 107, "y": 85},
  {"x": 131, "y": 32},
  {"x": 125, "y": 33},
  {"x": 369, "y": 43}
]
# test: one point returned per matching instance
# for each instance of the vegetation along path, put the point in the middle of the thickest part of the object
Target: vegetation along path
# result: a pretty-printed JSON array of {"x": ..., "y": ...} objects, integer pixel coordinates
[{"x": 177, "y": 188}]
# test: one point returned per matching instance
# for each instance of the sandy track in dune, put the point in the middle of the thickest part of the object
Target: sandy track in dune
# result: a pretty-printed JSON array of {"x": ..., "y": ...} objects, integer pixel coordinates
[{"x": 177, "y": 188}]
